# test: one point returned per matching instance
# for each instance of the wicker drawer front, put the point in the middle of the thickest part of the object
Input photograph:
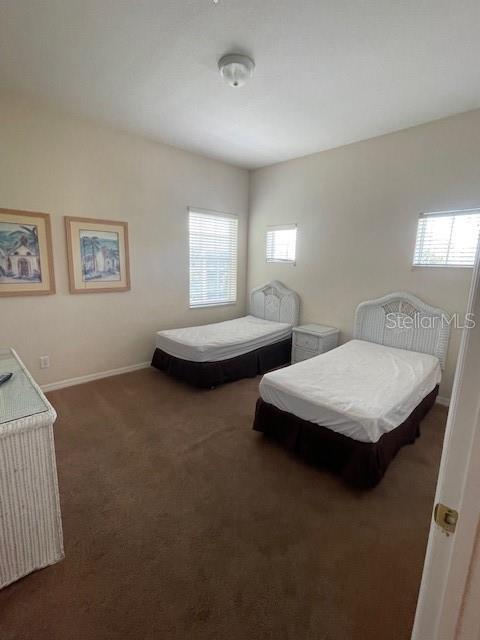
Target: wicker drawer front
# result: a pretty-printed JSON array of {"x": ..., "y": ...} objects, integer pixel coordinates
[
  {"x": 300, "y": 354},
  {"x": 306, "y": 341}
]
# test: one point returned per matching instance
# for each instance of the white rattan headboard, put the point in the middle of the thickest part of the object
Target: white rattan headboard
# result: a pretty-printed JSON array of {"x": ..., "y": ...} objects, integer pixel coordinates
[
  {"x": 276, "y": 302},
  {"x": 402, "y": 320}
]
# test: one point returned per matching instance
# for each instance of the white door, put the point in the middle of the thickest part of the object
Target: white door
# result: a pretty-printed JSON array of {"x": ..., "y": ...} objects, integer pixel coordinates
[{"x": 449, "y": 601}]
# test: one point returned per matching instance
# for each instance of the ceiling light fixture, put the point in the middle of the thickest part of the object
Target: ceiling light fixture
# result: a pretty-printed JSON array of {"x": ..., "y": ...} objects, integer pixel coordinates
[{"x": 236, "y": 69}]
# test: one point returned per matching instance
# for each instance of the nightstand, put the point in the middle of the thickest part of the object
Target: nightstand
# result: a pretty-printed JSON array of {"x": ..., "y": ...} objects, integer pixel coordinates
[{"x": 311, "y": 340}]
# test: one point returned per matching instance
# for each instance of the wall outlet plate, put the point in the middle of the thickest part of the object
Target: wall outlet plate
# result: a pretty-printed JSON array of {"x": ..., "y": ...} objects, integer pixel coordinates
[{"x": 44, "y": 362}]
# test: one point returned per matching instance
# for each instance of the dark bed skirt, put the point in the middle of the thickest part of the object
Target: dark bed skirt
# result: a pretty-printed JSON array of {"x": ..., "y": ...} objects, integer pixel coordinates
[
  {"x": 360, "y": 464},
  {"x": 212, "y": 374}
]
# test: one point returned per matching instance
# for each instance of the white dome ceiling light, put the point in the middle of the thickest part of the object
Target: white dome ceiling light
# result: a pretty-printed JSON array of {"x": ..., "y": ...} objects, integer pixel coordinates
[{"x": 236, "y": 69}]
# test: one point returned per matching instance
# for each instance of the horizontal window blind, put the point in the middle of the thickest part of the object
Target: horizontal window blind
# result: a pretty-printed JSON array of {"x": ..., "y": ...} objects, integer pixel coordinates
[
  {"x": 281, "y": 243},
  {"x": 447, "y": 239},
  {"x": 213, "y": 258}
]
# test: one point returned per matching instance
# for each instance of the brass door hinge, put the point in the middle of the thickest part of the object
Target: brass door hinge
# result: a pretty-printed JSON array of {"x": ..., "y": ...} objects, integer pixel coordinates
[{"x": 446, "y": 518}]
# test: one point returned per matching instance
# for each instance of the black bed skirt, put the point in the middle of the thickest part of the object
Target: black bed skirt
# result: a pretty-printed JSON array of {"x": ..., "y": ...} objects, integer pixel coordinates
[
  {"x": 212, "y": 374},
  {"x": 360, "y": 464}
]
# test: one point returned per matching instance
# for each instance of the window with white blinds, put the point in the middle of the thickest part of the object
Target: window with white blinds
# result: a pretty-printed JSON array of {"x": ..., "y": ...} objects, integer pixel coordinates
[
  {"x": 281, "y": 243},
  {"x": 447, "y": 239},
  {"x": 213, "y": 258}
]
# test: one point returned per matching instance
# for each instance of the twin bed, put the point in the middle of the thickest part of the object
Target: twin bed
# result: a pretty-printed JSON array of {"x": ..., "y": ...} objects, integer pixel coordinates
[
  {"x": 350, "y": 409},
  {"x": 210, "y": 355}
]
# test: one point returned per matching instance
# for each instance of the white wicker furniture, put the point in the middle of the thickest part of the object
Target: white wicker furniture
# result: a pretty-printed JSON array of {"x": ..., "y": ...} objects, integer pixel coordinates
[
  {"x": 404, "y": 321},
  {"x": 30, "y": 522},
  {"x": 303, "y": 405},
  {"x": 274, "y": 301},
  {"x": 311, "y": 340}
]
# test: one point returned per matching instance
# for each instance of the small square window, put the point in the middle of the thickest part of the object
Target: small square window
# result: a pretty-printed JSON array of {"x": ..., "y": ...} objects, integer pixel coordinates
[
  {"x": 447, "y": 239},
  {"x": 281, "y": 243}
]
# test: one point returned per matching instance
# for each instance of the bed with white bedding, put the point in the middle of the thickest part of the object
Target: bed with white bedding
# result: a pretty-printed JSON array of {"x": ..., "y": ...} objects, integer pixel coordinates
[
  {"x": 222, "y": 340},
  {"x": 212, "y": 354},
  {"x": 352, "y": 408}
]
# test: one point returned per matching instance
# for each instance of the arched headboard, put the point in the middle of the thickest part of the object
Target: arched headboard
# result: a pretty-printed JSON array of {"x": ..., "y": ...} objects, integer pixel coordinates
[
  {"x": 276, "y": 302},
  {"x": 404, "y": 321}
]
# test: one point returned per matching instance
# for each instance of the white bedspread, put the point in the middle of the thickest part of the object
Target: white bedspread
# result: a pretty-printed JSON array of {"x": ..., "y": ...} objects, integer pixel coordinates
[
  {"x": 360, "y": 389},
  {"x": 222, "y": 340}
]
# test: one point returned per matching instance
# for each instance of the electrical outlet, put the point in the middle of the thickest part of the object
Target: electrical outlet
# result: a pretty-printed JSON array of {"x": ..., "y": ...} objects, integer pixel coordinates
[{"x": 44, "y": 362}]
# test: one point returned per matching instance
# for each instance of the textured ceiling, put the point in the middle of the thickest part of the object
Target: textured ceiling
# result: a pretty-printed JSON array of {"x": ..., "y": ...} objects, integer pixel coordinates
[{"x": 328, "y": 72}]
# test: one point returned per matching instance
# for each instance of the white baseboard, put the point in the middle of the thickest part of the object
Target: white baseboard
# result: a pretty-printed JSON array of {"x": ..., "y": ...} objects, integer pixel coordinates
[
  {"x": 71, "y": 382},
  {"x": 445, "y": 402}
]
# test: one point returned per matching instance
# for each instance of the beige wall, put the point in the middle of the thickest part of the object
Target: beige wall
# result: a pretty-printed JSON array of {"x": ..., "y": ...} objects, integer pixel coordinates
[
  {"x": 357, "y": 208},
  {"x": 66, "y": 166}
]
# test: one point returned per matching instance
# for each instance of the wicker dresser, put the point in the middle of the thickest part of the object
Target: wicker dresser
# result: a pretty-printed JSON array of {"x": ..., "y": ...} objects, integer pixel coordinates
[{"x": 30, "y": 522}]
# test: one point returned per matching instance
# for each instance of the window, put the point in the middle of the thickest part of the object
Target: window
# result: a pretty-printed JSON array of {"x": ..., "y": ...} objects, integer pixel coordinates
[
  {"x": 447, "y": 239},
  {"x": 281, "y": 243},
  {"x": 213, "y": 258}
]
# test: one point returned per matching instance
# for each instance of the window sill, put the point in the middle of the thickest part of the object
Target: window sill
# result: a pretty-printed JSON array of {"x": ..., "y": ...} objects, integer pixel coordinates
[
  {"x": 212, "y": 305},
  {"x": 441, "y": 266}
]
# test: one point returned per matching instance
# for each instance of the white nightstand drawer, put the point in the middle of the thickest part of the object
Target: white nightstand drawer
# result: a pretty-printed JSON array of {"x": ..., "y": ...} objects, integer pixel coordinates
[
  {"x": 306, "y": 341},
  {"x": 300, "y": 354},
  {"x": 310, "y": 340}
]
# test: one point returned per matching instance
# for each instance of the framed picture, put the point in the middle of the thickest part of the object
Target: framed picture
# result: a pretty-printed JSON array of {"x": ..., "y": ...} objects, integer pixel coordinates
[
  {"x": 26, "y": 259},
  {"x": 97, "y": 255}
]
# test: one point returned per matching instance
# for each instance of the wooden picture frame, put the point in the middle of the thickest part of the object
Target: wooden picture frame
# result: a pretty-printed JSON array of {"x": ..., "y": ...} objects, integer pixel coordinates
[
  {"x": 97, "y": 251},
  {"x": 26, "y": 254}
]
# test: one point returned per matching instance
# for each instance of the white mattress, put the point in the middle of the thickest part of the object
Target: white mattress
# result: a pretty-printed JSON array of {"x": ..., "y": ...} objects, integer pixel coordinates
[
  {"x": 360, "y": 389},
  {"x": 222, "y": 340}
]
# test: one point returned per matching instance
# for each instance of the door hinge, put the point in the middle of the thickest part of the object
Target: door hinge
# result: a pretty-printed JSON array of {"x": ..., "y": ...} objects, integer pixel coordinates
[{"x": 446, "y": 518}]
